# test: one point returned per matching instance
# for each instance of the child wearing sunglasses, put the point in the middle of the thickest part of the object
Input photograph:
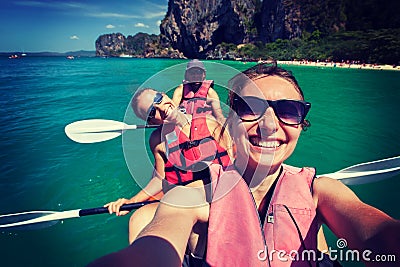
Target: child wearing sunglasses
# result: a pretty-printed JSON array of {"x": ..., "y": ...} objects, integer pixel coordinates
[
  {"x": 179, "y": 145},
  {"x": 196, "y": 95},
  {"x": 262, "y": 212}
]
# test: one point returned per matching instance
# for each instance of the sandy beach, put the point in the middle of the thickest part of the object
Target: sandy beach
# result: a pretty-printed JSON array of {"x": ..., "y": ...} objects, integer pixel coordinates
[{"x": 348, "y": 65}]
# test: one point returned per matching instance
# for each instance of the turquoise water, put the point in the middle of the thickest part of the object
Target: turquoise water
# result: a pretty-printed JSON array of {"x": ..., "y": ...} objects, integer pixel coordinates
[{"x": 354, "y": 115}]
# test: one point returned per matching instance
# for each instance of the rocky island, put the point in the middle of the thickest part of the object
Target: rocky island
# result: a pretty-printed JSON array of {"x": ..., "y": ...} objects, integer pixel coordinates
[{"x": 252, "y": 29}]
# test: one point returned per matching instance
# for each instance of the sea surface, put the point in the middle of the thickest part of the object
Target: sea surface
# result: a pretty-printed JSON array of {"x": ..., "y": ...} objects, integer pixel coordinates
[{"x": 355, "y": 118}]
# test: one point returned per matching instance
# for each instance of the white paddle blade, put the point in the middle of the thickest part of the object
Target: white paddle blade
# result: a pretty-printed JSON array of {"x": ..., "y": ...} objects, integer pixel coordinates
[
  {"x": 383, "y": 164},
  {"x": 96, "y": 130},
  {"x": 88, "y": 138},
  {"x": 363, "y": 177},
  {"x": 368, "y": 172},
  {"x": 33, "y": 220},
  {"x": 95, "y": 126}
]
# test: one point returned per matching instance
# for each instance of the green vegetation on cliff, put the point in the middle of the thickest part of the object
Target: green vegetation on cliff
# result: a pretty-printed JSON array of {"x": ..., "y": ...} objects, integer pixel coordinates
[
  {"x": 367, "y": 31},
  {"x": 373, "y": 46},
  {"x": 362, "y": 30}
]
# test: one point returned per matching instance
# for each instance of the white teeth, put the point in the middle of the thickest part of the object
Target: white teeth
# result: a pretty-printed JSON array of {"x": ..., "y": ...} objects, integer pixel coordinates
[
  {"x": 265, "y": 144},
  {"x": 168, "y": 111}
]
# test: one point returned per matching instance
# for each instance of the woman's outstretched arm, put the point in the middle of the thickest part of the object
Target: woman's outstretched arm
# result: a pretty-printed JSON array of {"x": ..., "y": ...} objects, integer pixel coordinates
[
  {"x": 163, "y": 241},
  {"x": 364, "y": 227}
]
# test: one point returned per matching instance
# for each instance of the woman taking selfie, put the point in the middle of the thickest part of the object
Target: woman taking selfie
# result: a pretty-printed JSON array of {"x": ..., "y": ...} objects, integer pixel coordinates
[{"x": 262, "y": 212}]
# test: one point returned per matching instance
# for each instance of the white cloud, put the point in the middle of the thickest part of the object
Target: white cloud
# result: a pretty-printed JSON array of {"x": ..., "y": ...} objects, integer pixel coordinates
[
  {"x": 96, "y": 11},
  {"x": 110, "y": 26},
  {"x": 158, "y": 22},
  {"x": 156, "y": 6},
  {"x": 142, "y": 9},
  {"x": 53, "y": 5},
  {"x": 74, "y": 37},
  {"x": 112, "y": 15},
  {"x": 141, "y": 25},
  {"x": 150, "y": 15}
]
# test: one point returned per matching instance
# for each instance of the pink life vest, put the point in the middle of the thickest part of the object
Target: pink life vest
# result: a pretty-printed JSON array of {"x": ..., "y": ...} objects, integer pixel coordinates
[
  {"x": 196, "y": 102},
  {"x": 235, "y": 234},
  {"x": 184, "y": 153}
]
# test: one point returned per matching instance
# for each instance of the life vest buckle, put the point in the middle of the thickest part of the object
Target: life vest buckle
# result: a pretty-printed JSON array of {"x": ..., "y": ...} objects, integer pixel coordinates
[
  {"x": 182, "y": 109},
  {"x": 203, "y": 109},
  {"x": 190, "y": 144}
]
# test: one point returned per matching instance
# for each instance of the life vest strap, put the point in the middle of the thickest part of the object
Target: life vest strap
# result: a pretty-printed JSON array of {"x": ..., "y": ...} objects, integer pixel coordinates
[
  {"x": 194, "y": 98},
  {"x": 189, "y": 144},
  {"x": 203, "y": 109},
  {"x": 192, "y": 167}
]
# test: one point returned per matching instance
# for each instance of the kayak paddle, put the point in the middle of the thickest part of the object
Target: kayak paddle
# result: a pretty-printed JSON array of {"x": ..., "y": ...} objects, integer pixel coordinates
[
  {"x": 98, "y": 130},
  {"x": 367, "y": 172},
  {"x": 357, "y": 174},
  {"x": 33, "y": 220}
]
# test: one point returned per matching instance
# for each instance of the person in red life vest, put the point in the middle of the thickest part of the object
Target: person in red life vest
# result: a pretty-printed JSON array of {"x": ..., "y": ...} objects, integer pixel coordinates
[
  {"x": 178, "y": 145},
  {"x": 262, "y": 212},
  {"x": 196, "y": 95}
]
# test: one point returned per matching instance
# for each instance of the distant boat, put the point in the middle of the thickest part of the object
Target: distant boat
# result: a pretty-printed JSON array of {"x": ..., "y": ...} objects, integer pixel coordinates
[
  {"x": 23, "y": 55},
  {"x": 70, "y": 57},
  {"x": 15, "y": 56},
  {"x": 125, "y": 56}
]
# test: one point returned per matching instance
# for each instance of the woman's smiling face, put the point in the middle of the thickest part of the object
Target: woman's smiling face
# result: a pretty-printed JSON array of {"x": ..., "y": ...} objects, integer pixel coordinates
[
  {"x": 266, "y": 142},
  {"x": 164, "y": 111}
]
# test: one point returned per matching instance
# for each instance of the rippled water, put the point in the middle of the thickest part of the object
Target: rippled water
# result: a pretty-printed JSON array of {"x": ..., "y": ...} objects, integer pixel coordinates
[{"x": 354, "y": 115}]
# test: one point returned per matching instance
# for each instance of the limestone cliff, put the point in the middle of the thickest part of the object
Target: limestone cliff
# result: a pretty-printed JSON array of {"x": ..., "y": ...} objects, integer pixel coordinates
[
  {"x": 195, "y": 27},
  {"x": 139, "y": 45},
  {"x": 202, "y": 28},
  {"x": 288, "y": 19},
  {"x": 110, "y": 45}
]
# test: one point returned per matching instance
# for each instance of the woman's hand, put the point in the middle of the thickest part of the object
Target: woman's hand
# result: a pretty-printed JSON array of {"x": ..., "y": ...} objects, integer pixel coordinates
[{"x": 113, "y": 207}]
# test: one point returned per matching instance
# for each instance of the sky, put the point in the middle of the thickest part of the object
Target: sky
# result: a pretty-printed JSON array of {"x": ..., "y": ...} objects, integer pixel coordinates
[{"x": 62, "y": 26}]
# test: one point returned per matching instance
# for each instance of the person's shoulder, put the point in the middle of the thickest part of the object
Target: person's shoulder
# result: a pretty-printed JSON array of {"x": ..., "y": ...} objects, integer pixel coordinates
[
  {"x": 325, "y": 180},
  {"x": 178, "y": 90},
  {"x": 179, "y": 87},
  {"x": 328, "y": 188},
  {"x": 322, "y": 182},
  {"x": 213, "y": 123},
  {"x": 212, "y": 93},
  {"x": 177, "y": 95}
]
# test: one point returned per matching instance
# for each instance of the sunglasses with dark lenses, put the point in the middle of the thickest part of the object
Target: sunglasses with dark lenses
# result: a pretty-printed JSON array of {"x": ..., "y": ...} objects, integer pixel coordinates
[
  {"x": 152, "y": 110},
  {"x": 289, "y": 112},
  {"x": 195, "y": 71}
]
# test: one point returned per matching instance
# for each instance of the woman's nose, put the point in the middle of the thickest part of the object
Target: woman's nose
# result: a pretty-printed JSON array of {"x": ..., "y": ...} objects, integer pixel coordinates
[{"x": 268, "y": 123}]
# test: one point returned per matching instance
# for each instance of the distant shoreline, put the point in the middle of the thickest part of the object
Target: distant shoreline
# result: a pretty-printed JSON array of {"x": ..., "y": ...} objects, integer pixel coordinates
[
  {"x": 343, "y": 65},
  {"x": 307, "y": 63}
]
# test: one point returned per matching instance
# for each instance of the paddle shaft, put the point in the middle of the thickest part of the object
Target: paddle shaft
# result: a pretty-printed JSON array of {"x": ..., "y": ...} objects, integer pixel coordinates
[
  {"x": 116, "y": 129},
  {"x": 127, "y": 207},
  {"x": 39, "y": 219},
  {"x": 357, "y": 174},
  {"x": 133, "y": 127}
]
